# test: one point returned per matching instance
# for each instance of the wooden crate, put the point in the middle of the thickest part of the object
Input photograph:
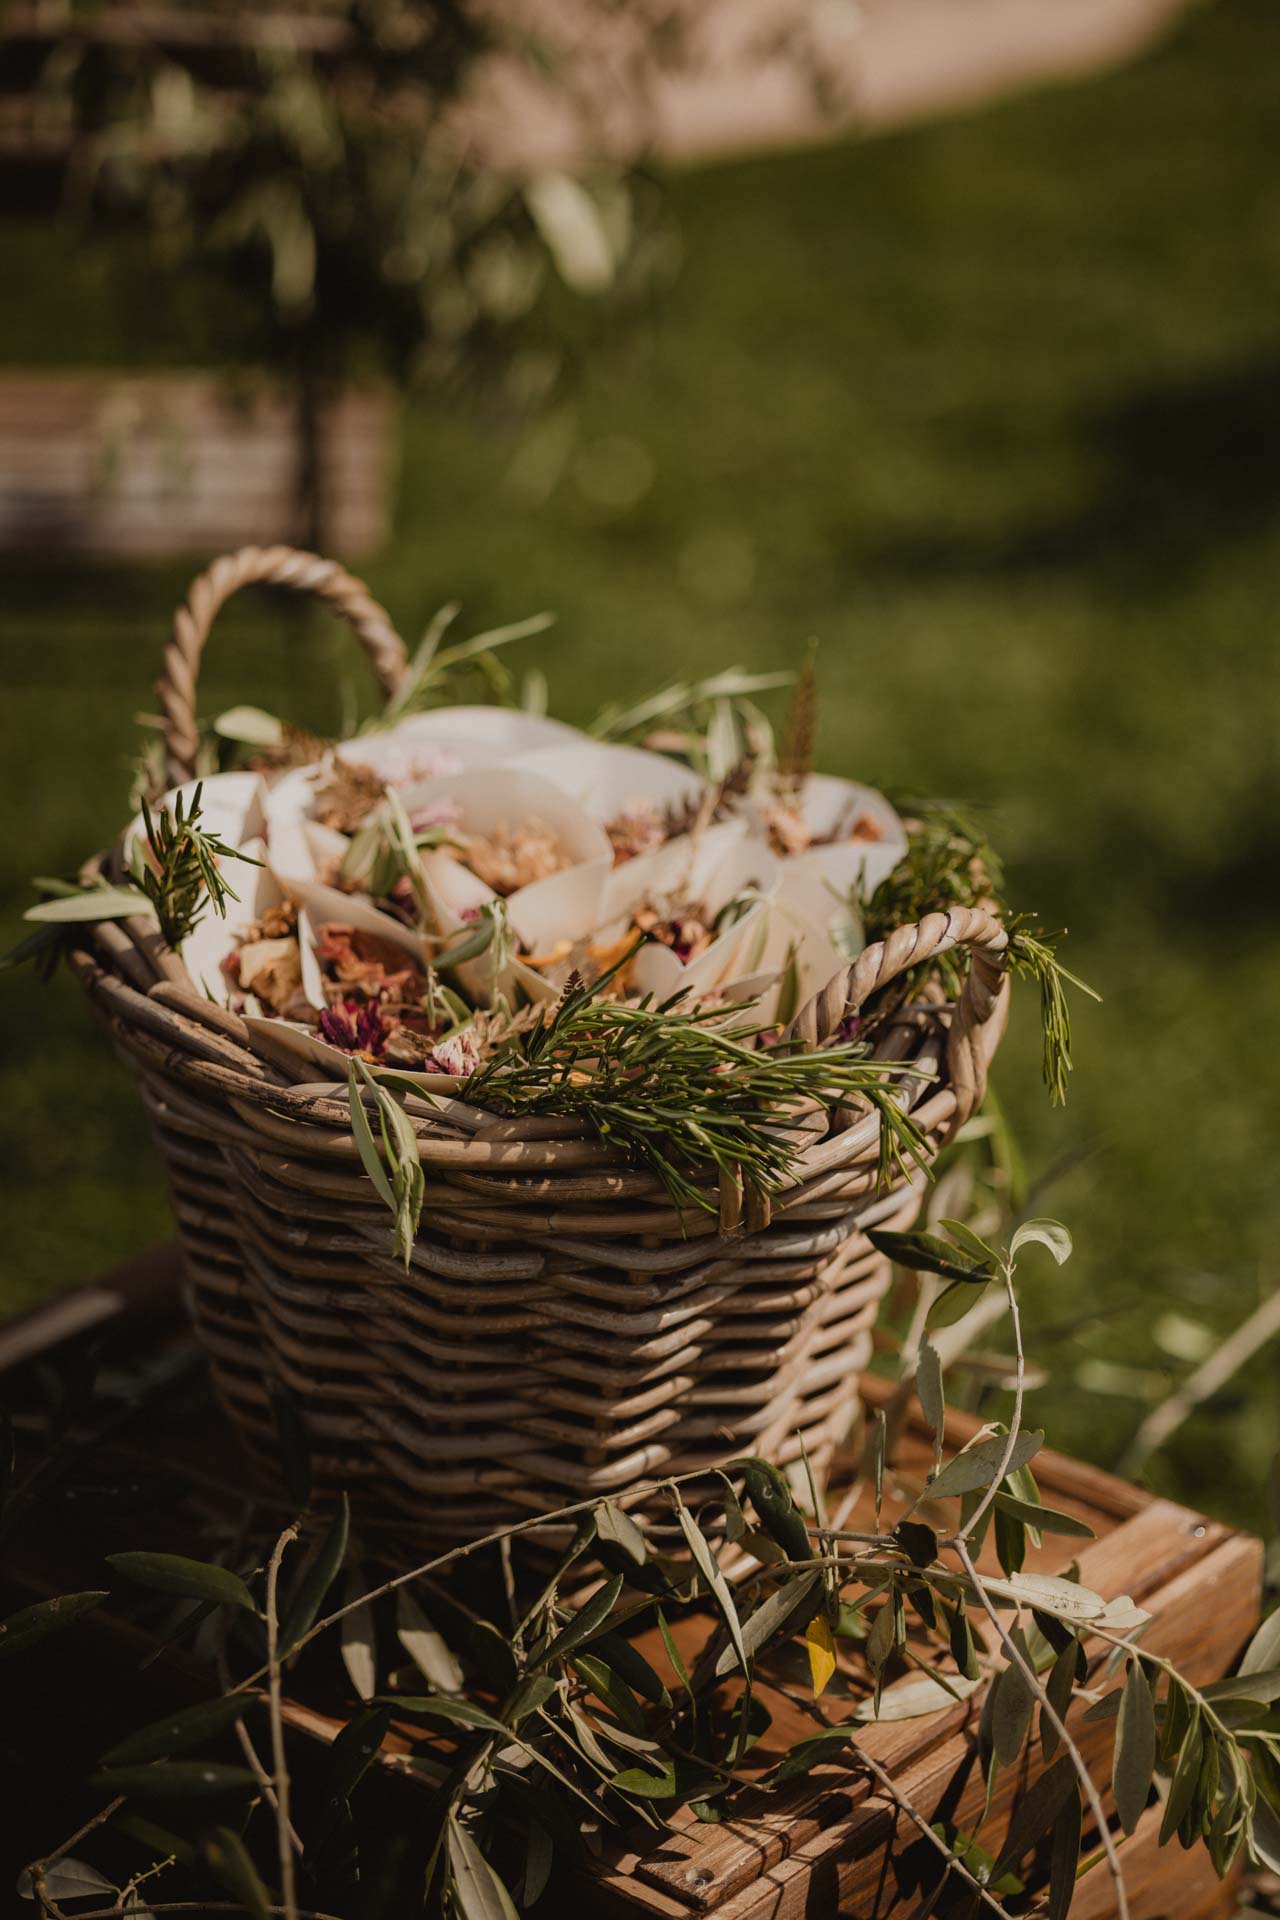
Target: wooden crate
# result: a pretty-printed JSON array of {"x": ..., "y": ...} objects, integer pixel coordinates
[
  {"x": 144, "y": 466},
  {"x": 831, "y": 1844}
]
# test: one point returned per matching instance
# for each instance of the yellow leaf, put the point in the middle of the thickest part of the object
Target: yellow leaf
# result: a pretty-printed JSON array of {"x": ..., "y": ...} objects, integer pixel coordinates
[{"x": 822, "y": 1652}]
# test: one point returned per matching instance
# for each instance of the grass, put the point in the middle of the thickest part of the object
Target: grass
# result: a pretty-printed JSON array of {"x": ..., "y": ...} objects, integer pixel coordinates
[{"x": 991, "y": 408}]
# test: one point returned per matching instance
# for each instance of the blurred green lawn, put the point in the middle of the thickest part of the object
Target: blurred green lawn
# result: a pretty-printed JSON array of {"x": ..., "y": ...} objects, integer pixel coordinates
[{"x": 993, "y": 409}]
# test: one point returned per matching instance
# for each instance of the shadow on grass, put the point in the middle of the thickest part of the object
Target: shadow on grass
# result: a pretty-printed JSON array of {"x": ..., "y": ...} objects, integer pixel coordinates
[{"x": 1185, "y": 470}]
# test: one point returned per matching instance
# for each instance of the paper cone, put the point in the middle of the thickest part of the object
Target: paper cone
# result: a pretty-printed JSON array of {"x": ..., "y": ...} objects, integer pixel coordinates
[
  {"x": 325, "y": 906},
  {"x": 829, "y": 803},
  {"x": 205, "y": 949},
  {"x": 712, "y": 876},
  {"x": 564, "y": 906}
]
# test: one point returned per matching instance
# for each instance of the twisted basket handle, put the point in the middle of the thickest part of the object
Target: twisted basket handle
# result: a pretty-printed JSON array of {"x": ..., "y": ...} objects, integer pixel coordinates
[
  {"x": 271, "y": 566},
  {"x": 978, "y": 1020}
]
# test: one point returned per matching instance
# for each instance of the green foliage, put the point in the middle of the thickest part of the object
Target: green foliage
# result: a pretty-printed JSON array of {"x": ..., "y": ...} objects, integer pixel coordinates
[
  {"x": 950, "y": 862},
  {"x": 572, "y": 1730},
  {"x": 337, "y": 228}
]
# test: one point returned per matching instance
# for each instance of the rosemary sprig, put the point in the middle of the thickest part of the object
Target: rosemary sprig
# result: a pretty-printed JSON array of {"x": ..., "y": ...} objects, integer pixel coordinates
[
  {"x": 682, "y": 1095},
  {"x": 1032, "y": 957},
  {"x": 950, "y": 862},
  {"x": 183, "y": 877}
]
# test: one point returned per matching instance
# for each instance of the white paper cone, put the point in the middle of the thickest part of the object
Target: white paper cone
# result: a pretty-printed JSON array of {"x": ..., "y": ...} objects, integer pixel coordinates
[
  {"x": 454, "y": 893},
  {"x": 610, "y": 781},
  {"x": 493, "y": 735},
  {"x": 718, "y": 873},
  {"x": 564, "y": 906},
  {"x": 325, "y": 906},
  {"x": 830, "y": 803}
]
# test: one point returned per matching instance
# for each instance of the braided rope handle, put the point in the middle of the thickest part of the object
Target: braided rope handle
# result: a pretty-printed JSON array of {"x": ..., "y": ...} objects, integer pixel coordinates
[
  {"x": 268, "y": 566},
  {"x": 978, "y": 1020}
]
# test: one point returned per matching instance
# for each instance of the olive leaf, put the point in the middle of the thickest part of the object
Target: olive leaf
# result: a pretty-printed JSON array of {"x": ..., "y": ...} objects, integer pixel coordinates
[
  {"x": 973, "y": 1470},
  {"x": 1044, "y": 1519},
  {"x": 822, "y": 1653},
  {"x": 617, "y": 1527},
  {"x": 974, "y": 1245},
  {"x": 1064, "y": 1857},
  {"x": 647, "y": 1785},
  {"x": 705, "y": 1561},
  {"x": 359, "y": 1641},
  {"x": 1011, "y": 1713},
  {"x": 318, "y": 1575},
  {"x": 1048, "y": 1233},
  {"x": 585, "y": 1623},
  {"x": 478, "y": 1891},
  {"x": 30, "y": 1624},
  {"x": 610, "y": 1690},
  {"x": 175, "y": 1780},
  {"x": 772, "y": 1499},
  {"x": 229, "y": 1862},
  {"x": 460, "y": 1713},
  {"x": 912, "y": 1699},
  {"x": 66, "y": 1879},
  {"x": 1263, "y": 1651},
  {"x": 1058, "y": 1688},
  {"x": 191, "y": 1579},
  {"x": 1135, "y": 1750},
  {"x": 927, "y": 1253},
  {"x": 780, "y": 1608},
  {"x": 539, "y": 1858},
  {"x": 354, "y": 1752},
  {"x": 424, "y": 1646},
  {"x": 932, "y": 1393},
  {"x": 177, "y": 1731},
  {"x": 1036, "y": 1812},
  {"x": 1185, "y": 1777}
]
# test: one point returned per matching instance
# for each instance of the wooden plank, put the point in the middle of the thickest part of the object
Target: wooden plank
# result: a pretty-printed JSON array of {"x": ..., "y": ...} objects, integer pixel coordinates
[
  {"x": 1141, "y": 1556},
  {"x": 146, "y": 1281},
  {"x": 168, "y": 463},
  {"x": 852, "y": 1855}
]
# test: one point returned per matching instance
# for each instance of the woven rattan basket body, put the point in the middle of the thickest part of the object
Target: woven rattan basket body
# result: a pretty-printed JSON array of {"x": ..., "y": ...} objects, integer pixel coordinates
[{"x": 561, "y": 1331}]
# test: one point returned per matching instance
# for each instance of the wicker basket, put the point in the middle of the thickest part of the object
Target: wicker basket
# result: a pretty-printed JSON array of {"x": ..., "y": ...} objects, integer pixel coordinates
[{"x": 562, "y": 1330}]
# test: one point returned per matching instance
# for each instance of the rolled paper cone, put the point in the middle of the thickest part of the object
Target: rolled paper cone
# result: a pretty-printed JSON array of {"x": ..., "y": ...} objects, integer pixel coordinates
[
  {"x": 300, "y": 854},
  {"x": 214, "y": 939},
  {"x": 326, "y": 906},
  {"x": 402, "y": 759},
  {"x": 455, "y": 894},
  {"x": 739, "y": 950},
  {"x": 685, "y": 869},
  {"x": 611, "y": 781},
  {"x": 566, "y": 905},
  {"x": 830, "y": 908},
  {"x": 496, "y": 734},
  {"x": 293, "y": 849},
  {"x": 817, "y": 959},
  {"x": 829, "y": 804}
]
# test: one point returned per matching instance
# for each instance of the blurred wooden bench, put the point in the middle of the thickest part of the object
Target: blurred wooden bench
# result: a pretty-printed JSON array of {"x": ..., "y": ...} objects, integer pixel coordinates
[{"x": 140, "y": 467}]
